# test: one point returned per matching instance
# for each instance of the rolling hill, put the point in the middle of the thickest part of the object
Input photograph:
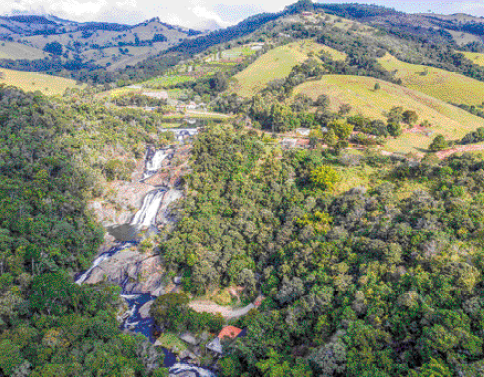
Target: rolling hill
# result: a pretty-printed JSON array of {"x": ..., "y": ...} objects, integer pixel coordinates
[
  {"x": 13, "y": 50},
  {"x": 277, "y": 64},
  {"x": 447, "y": 86},
  {"x": 102, "y": 44},
  {"x": 31, "y": 82},
  {"x": 359, "y": 92}
]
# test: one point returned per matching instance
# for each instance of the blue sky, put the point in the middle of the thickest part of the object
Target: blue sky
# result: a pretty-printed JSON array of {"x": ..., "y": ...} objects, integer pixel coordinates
[{"x": 192, "y": 12}]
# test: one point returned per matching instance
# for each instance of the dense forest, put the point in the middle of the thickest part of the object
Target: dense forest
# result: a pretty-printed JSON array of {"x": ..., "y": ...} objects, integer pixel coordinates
[
  {"x": 365, "y": 264},
  {"x": 362, "y": 282},
  {"x": 50, "y": 326}
]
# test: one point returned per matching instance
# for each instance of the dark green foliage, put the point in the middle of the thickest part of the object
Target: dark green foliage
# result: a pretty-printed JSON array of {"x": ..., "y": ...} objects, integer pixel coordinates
[
  {"x": 438, "y": 143},
  {"x": 474, "y": 136},
  {"x": 54, "y": 48},
  {"x": 140, "y": 100},
  {"x": 360, "y": 283},
  {"x": 50, "y": 326}
]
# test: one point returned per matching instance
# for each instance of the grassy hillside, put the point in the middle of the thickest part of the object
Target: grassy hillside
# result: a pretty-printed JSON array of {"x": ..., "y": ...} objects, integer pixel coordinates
[
  {"x": 462, "y": 38},
  {"x": 358, "y": 91},
  {"x": 447, "y": 86},
  {"x": 31, "y": 82},
  {"x": 275, "y": 64},
  {"x": 12, "y": 50},
  {"x": 475, "y": 57}
]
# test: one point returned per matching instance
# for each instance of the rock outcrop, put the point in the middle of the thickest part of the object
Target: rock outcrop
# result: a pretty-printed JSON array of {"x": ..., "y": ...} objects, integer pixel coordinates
[{"x": 132, "y": 270}]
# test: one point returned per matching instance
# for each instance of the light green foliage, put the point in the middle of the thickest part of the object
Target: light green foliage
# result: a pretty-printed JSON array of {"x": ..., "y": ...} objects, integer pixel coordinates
[
  {"x": 325, "y": 177},
  {"x": 341, "y": 128}
]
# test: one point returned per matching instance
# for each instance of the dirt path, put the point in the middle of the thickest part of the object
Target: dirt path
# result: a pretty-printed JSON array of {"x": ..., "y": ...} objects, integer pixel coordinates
[
  {"x": 465, "y": 148},
  {"x": 205, "y": 306}
]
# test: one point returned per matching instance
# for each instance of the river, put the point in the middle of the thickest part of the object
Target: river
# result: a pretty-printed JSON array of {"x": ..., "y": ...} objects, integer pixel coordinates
[{"x": 155, "y": 204}]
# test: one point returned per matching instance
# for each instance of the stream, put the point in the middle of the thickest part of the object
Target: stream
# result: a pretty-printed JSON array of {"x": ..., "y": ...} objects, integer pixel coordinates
[{"x": 155, "y": 204}]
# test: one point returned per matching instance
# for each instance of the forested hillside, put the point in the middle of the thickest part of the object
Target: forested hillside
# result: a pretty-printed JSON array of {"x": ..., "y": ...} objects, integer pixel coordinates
[
  {"x": 321, "y": 191},
  {"x": 49, "y": 325},
  {"x": 367, "y": 281}
]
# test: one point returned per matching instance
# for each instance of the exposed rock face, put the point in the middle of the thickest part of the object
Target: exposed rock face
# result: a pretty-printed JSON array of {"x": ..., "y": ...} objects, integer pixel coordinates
[
  {"x": 134, "y": 271},
  {"x": 144, "y": 311},
  {"x": 122, "y": 207}
]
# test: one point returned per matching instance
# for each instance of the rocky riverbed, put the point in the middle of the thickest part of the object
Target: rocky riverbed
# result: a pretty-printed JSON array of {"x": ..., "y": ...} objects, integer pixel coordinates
[{"x": 133, "y": 211}]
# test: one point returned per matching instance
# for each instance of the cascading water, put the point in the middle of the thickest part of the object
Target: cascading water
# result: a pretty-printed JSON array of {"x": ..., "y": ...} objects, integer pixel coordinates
[
  {"x": 156, "y": 201},
  {"x": 101, "y": 258},
  {"x": 146, "y": 216},
  {"x": 154, "y": 161}
]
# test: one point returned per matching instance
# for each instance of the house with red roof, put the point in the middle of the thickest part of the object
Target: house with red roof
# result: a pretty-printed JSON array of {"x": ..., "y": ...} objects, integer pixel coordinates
[{"x": 228, "y": 333}]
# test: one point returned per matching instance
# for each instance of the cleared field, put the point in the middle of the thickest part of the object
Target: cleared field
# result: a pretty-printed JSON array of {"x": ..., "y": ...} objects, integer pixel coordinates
[
  {"x": 335, "y": 54},
  {"x": 31, "y": 82},
  {"x": 237, "y": 52},
  {"x": 166, "y": 81},
  {"x": 359, "y": 92},
  {"x": 463, "y": 38},
  {"x": 275, "y": 64},
  {"x": 475, "y": 57},
  {"x": 444, "y": 85},
  {"x": 12, "y": 50}
]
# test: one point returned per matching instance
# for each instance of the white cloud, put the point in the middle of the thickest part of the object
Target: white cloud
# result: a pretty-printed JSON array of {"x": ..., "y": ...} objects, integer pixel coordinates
[{"x": 193, "y": 13}]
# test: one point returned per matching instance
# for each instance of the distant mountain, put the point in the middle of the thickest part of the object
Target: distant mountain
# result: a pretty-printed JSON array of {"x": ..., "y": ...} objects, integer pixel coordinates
[{"x": 98, "y": 44}]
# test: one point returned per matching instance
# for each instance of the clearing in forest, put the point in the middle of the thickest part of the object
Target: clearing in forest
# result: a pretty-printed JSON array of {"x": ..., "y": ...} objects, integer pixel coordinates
[
  {"x": 447, "y": 86},
  {"x": 360, "y": 94},
  {"x": 32, "y": 81},
  {"x": 275, "y": 64}
]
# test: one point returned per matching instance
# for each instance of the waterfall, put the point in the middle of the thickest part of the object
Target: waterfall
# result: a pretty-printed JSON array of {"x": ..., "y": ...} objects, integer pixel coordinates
[
  {"x": 170, "y": 197},
  {"x": 146, "y": 216},
  {"x": 183, "y": 133},
  {"x": 155, "y": 201},
  {"x": 101, "y": 258},
  {"x": 180, "y": 368},
  {"x": 154, "y": 160}
]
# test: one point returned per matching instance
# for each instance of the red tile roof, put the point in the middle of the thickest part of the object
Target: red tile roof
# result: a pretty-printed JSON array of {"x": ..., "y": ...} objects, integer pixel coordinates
[{"x": 229, "y": 331}]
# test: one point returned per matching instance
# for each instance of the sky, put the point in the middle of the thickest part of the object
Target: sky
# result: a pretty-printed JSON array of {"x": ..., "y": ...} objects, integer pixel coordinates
[{"x": 198, "y": 13}]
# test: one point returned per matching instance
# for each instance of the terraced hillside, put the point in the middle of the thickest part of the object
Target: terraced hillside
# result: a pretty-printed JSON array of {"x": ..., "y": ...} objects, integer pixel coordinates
[
  {"x": 31, "y": 82},
  {"x": 446, "y": 86},
  {"x": 359, "y": 92}
]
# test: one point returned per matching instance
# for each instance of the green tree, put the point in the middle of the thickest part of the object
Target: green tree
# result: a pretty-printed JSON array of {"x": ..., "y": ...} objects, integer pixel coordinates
[
  {"x": 170, "y": 310},
  {"x": 54, "y": 48},
  {"x": 438, "y": 143},
  {"x": 10, "y": 357},
  {"x": 434, "y": 368},
  {"x": 341, "y": 128},
  {"x": 325, "y": 177},
  {"x": 410, "y": 117}
]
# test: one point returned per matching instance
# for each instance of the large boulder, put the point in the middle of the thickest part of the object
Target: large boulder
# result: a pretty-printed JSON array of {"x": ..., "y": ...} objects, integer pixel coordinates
[{"x": 134, "y": 271}]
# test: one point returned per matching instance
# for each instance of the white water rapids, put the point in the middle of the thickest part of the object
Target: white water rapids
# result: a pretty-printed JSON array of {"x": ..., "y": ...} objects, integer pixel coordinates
[
  {"x": 156, "y": 204},
  {"x": 154, "y": 163},
  {"x": 146, "y": 216}
]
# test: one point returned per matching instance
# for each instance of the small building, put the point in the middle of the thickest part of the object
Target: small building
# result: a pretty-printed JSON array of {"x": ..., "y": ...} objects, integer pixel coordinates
[
  {"x": 303, "y": 131},
  {"x": 257, "y": 46},
  {"x": 288, "y": 143},
  {"x": 227, "y": 333},
  {"x": 303, "y": 143},
  {"x": 192, "y": 106}
]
